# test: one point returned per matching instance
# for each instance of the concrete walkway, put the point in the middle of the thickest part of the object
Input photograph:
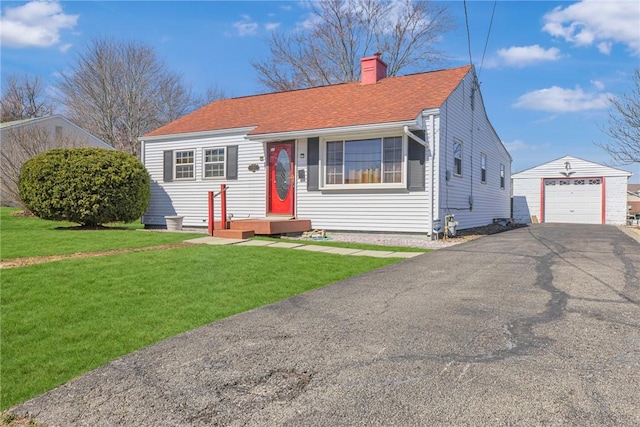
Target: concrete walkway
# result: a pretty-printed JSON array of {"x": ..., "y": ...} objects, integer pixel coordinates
[{"x": 208, "y": 240}]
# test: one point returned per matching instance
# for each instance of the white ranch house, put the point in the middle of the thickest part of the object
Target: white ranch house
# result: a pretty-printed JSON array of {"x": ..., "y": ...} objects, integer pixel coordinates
[{"x": 383, "y": 154}]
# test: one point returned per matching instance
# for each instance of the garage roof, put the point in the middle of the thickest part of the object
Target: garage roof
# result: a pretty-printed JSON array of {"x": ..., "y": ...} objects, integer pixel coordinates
[{"x": 569, "y": 166}]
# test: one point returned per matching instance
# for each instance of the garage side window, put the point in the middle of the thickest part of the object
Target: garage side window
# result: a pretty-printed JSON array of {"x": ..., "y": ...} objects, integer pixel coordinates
[
  {"x": 502, "y": 176},
  {"x": 184, "y": 164},
  {"x": 457, "y": 157}
]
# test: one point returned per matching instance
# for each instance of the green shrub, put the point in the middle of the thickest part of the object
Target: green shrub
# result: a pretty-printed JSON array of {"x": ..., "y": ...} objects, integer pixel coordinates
[{"x": 89, "y": 186}]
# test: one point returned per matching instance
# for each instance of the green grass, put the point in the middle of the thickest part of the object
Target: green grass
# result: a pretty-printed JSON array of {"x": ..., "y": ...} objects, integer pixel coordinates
[
  {"x": 30, "y": 237},
  {"x": 347, "y": 245},
  {"x": 61, "y": 319}
]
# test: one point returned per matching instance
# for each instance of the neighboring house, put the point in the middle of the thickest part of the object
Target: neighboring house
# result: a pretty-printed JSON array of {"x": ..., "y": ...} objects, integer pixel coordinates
[
  {"x": 633, "y": 199},
  {"x": 570, "y": 190},
  {"x": 384, "y": 154},
  {"x": 23, "y": 139}
]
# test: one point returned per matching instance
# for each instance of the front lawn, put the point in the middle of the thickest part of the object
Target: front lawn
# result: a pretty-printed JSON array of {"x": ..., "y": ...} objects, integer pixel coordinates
[
  {"x": 61, "y": 319},
  {"x": 30, "y": 237}
]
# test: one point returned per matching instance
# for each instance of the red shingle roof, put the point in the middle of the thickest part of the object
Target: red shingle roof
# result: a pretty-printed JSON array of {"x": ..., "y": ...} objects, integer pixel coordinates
[{"x": 392, "y": 99}]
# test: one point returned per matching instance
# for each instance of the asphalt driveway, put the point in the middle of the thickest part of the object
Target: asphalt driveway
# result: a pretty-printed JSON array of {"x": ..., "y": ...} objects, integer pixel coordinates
[{"x": 535, "y": 326}]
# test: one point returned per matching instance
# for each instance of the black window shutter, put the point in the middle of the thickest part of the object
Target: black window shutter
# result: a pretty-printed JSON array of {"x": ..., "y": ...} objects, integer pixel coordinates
[
  {"x": 168, "y": 166},
  {"x": 416, "y": 164},
  {"x": 232, "y": 162},
  {"x": 313, "y": 157}
]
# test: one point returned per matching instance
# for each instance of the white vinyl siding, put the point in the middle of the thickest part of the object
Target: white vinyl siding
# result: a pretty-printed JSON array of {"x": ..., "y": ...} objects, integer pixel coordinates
[
  {"x": 616, "y": 199},
  {"x": 245, "y": 196},
  {"x": 472, "y": 202}
]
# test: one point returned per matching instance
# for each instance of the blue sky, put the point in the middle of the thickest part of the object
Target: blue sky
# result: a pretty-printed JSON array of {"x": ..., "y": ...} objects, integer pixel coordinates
[{"x": 546, "y": 75}]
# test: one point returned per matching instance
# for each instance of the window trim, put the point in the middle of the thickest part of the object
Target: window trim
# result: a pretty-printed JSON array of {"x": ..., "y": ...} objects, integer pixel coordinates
[
  {"x": 322, "y": 161},
  {"x": 456, "y": 172},
  {"x": 503, "y": 176},
  {"x": 176, "y": 164},
  {"x": 205, "y": 163},
  {"x": 483, "y": 168}
]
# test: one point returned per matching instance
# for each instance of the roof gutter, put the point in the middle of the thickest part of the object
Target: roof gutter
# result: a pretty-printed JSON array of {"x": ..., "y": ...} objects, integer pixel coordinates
[
  {"x": 202, "y": 134},
  {"x": 333, "y": 131}
]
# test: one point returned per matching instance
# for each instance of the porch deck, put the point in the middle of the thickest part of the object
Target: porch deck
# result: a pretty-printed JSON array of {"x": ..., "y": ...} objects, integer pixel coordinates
[{"x": 245, "y": 228}]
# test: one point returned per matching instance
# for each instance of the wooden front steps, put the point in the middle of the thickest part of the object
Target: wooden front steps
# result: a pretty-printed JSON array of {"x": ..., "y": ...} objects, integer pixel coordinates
[
  {"x": 268, "y": 226},
  {"x": 233, "y": 234}
]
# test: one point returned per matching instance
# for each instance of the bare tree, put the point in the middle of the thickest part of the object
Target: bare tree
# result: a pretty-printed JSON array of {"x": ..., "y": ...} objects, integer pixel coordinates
[
  {"x": 18, "y": 146},
  {"x": 213, "y": 93},
  {"x": 119, "y": 91},
  {"x": 327, "y": 50},
  {"x": 624, "y": 125},
  {"x": 23, "y": 97}
]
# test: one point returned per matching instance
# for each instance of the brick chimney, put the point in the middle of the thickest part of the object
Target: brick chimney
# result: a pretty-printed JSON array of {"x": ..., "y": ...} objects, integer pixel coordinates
[{"x": 373, "y": 69}]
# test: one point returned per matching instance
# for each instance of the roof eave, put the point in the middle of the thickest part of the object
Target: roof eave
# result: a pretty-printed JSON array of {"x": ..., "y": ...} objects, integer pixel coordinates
[
  {"x": 414, "y": 124},
  {"x": 199, "y": 134}
]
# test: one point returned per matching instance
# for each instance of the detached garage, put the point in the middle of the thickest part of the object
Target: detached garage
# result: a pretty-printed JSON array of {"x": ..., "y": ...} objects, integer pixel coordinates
[{"x": 570, "y": 190}]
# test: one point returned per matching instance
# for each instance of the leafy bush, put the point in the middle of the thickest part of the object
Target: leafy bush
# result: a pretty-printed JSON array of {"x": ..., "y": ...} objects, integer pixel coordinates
[{"x": 89, "y": 186}]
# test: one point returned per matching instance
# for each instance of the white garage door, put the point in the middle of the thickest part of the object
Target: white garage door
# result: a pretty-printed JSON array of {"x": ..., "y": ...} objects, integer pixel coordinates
[{"x": 574, "y": 200}]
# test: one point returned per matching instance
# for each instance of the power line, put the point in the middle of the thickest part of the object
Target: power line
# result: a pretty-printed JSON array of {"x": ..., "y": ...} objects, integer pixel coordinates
[
  {"x": 488, "y": 33},
  {"x": 466, "y": 19}
]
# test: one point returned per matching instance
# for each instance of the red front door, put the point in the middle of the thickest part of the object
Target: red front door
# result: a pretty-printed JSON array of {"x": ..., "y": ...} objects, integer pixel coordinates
[{"x": 280, "y": 195}]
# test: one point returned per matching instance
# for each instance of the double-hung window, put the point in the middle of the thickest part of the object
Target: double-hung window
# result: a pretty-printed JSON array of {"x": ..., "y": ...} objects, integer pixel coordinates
[
  {"x": 502, "y": 175},
  {"x": 184, "y": 164},
  {"x": 364, "y": 161},
  {"x": 457, "y": 157},
  {"x": 214, "y": 163},
  {"x": 483, "y": 168}
]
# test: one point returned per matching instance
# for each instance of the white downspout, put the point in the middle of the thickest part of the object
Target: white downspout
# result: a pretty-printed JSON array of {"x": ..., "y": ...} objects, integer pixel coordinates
[
  {"x": 415, "y": 137},
  {"x": 430, "y": 146},
  {"x": 432, "y": 138}
]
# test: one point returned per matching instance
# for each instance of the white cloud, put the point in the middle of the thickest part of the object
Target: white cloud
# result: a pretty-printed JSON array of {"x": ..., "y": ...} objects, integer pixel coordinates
[
  {"x": 519, "y": 145},
  {"x": 560, "y": 100},
  {"x": 35, "y": 24},
  {"x": 598, "y": 22},
  {"x": 520, "y": 56},
  {"x": 270, "y": 26},
  {"x": 246, "y": 27},
  {"x": 597, "y": 84}
]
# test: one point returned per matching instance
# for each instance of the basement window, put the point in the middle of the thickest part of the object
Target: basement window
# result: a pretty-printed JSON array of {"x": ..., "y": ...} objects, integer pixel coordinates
[{"x": 362, "y": 162}]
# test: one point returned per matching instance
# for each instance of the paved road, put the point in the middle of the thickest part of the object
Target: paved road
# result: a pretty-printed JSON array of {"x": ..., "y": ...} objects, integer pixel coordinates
[{"x": 536, "y": 326}]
